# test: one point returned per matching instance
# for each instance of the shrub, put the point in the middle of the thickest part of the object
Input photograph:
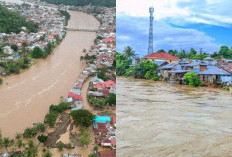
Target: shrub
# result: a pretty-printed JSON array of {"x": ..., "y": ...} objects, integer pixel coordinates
[
  {"x": 42, "y": 138},
  {"x": 112, "y": 99},
  {"x": 60, "y": 108},
  {"x": 30, "y": 132},
  {"x": 40, "y": 127},
  {"x": 50, "y": 118},
  {"x": 60, "y": 145},
  {"x": 192, "y": 79},
  {"x": 1, "y": 81},
  {"x": 84, "y": 138}
]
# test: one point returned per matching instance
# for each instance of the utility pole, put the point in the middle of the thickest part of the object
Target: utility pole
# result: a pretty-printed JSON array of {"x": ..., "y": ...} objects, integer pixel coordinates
[{"x": 150, "y": 43}]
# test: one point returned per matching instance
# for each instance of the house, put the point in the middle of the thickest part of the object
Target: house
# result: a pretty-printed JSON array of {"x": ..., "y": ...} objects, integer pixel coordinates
[
  {"x": 107, "y": 153},
  {"x": 162, "y": 56},
  {"x": 212, "y": 74}
]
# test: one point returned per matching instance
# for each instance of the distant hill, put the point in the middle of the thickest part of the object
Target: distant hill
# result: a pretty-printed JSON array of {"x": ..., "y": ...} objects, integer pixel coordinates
[
  {"x": 105, "y": 3},
  {"x": 13, "y": 22}
]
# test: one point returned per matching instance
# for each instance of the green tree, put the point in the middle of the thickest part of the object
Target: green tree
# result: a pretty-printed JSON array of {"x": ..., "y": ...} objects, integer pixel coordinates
[
  {"x": 84, "y": 137},
  {"x": 42, "y": 138},
  {"x": 60, "y": 145},
  {"x": 112, "y": 99},
  {"x": 47, "y": 154},
  {"x": 82, "y": 117},
  {"x": 128, "y": 52},
  {"x": 1, "y": 81},
  {"x": 14, "y": 47},
  {"x": 7, "y": 142},
  {"x": 192, "y": 79},
  {"x": 37, "y": 53},
  {"x": 31, "y": 149}
]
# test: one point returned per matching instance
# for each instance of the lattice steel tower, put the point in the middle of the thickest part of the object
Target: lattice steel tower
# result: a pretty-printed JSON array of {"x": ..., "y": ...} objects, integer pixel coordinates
[{"x": 150, "y": 43}]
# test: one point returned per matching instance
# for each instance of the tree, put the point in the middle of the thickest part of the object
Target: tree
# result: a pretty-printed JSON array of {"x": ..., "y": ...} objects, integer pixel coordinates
[
  {"x": 112, "y": 99},
  {"x": 14, "y": 47},
  {"x": 161, "y": 50},
  {"x": 1, "y": 81},
  {"x": 37, "y": 53},
  {"x": 42, "y": 138},
  {"x": 84, "y": 138},
  {"x": 31, "y": 149},
  {"x": 47, "y": 154},
  {"x": 192, "y": 79},
  {"x": 128, "y": 52},
  {"x": 60, "y": 145},
  {"x": 82, "y": 117},
  {"x": 93, "y": 155},
  {"x": 7, "y": 142}
]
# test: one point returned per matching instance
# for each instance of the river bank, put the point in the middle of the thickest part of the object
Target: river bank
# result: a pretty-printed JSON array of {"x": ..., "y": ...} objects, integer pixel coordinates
[
  {"x": 172, "y": 120},
  {"x": 30, "y": 94}
]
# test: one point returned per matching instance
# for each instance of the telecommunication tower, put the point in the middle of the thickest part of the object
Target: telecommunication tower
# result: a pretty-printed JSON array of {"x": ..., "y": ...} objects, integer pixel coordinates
[{"x": 150, "y": 43}]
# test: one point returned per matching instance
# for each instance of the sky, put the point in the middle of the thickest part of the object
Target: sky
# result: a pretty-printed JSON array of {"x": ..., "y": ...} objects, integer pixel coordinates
[{"x": 178, "y": 24}]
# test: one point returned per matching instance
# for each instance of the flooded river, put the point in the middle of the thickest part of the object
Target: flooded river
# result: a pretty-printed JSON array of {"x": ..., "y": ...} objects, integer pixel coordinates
[
  {"x": 25, "y": 98},
  {"x": 164, "y": 120}
]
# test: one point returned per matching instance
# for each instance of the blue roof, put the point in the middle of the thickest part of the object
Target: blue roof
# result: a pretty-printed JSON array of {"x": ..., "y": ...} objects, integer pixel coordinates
[
  {"x": 102, "y": 119},
  {"x": 159, "y": 62},
  {"x": 169, "y": 66},
  {"x": 214, "y": 70}
]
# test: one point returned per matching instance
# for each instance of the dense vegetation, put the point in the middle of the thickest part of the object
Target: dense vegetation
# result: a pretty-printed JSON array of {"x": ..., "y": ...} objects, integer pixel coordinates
[
  {"x": 66, "y": 15},
  {"x": 105, "y": 3},
  {"x": 82, "y": 117},
  {"x": 96, "y": 102},
  {"x": 224, "y": 52},
  {"x": 13, "y": 22},
  {"x": 143, "y": 70}
]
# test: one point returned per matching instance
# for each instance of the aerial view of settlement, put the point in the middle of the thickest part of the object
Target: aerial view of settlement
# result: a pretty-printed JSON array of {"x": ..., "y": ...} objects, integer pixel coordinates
[
  {"x": 57, "y": 78},
  {"x": 174, "y": 78}
]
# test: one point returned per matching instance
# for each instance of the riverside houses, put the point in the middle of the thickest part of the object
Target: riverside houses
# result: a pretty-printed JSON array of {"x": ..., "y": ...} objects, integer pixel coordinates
[{"x": 209, "y": 71}]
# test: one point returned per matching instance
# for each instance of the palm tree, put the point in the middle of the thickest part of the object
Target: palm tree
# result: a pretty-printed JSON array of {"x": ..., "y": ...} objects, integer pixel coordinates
[
  {"x": 128, "y": 52},
  {"x": 31, "y": 150},
  {"x": 7, "y": 142}
]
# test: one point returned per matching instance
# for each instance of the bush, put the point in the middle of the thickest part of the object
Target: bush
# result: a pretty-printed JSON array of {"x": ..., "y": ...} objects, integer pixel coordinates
[
  {"x": 1, "y": 81},
  {"x": 14, "y": 47},
  {"x": 60, "y": 108},
  {"x": 40, "y": 127},
  {"x": 84, "y": 138},
  {"x": 50, "y": 118},
  {"x": 95, "y": 148},
  {"x": 30, "y": 132},
  {"x": 96, "y": 102},
  {"x": 82, "y": 117},
  {"x": 192, "y": 79},
  {"x": 42, "y": 138},
  {"x": 112, "y": 99},
  {"x": 60, "y": 145},
  {"x": 37, "y": 53}
]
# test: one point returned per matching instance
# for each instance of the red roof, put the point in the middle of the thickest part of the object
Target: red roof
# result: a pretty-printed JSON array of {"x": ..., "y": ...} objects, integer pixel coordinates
[
  {"x": 161, "y": 55},
  {"x": 75, "y": 96},
  {"x": 101, "y": 128},
  {"x": 113, "y": 142},
  {"x": 108, "y": 153},
  {"x": 109, "y": 83},
  {"x": 107, "y": 40},
  {"x": 113, "y": 119}
]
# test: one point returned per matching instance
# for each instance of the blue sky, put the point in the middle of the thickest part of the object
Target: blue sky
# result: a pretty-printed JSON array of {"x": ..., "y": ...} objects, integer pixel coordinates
[{"x": 178, "y": 24}]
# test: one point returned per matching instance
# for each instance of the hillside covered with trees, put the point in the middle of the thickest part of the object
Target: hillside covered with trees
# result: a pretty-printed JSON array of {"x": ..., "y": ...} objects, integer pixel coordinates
[
  {"x": 105, "y": 3},
  {"x": 13, "y": 22}
]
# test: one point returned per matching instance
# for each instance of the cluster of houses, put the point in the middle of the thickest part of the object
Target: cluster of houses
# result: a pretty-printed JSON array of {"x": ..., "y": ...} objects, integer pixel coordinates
[
  {"x": 49, "y": 20},
  {"x": 209, "y": 71},
  {"x": 105, "y": 131},
  {"x": 104, "y": 49}
]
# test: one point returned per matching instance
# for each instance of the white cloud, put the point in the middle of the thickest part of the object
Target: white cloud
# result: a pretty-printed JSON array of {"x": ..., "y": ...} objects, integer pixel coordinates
[{"x": 180, "y": 12}]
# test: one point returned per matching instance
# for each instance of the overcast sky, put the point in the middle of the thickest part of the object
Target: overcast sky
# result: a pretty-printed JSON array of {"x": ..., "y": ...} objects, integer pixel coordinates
[{"x": 178, "y": 24}]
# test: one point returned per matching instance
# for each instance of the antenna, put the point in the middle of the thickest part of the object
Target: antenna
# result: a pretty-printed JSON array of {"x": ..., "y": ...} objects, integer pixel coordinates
[{"x": 150, "y": 43}]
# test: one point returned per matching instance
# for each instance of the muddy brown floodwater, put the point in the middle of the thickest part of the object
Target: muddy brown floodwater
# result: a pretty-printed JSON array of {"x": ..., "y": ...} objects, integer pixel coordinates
[
  {"x": 25, "y": 98},
  {"x": 164, "y": 120}
]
